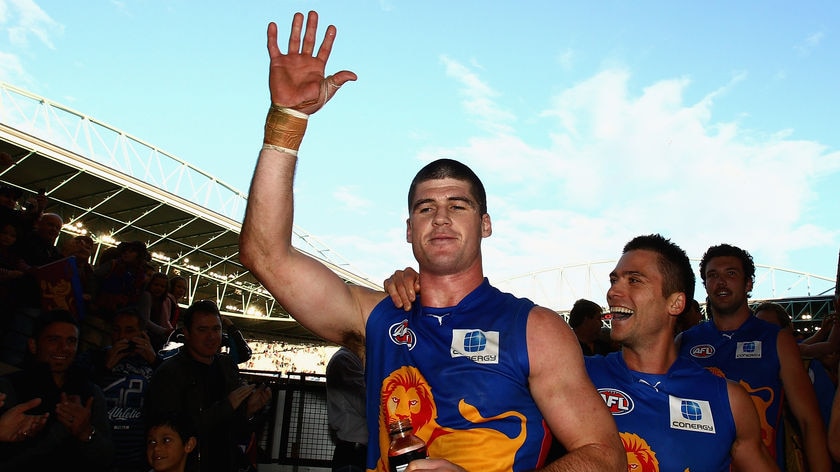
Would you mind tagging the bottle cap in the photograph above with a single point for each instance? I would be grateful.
(400, 425)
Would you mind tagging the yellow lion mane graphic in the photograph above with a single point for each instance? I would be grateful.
(639, 453)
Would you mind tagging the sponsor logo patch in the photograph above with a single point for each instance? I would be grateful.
(748, 350)
(479, 346)
(691, 415)
(400, 333)
(702, 351)
(617, 401)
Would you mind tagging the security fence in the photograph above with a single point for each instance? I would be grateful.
(296, 432)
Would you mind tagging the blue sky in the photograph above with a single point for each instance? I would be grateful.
(589, 122)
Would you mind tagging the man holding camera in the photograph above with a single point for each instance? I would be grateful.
(123, 371)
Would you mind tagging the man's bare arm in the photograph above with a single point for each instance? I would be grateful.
(572, 407)
(748, 452)
(803, 403)
(307, 289)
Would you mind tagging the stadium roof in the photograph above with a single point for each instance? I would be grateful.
(116, 188)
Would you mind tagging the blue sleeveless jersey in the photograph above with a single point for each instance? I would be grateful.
(678, 421)
(461, 375)
(747, 355)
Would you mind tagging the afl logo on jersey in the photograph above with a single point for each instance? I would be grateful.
(400, 333)
(618, 402)
(703, 351)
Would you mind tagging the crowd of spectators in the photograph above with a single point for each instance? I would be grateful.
(284, 358)
(82, 340)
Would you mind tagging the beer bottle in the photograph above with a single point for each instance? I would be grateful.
(405, 446)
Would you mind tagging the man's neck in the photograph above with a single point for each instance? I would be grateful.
(655, 357)
(442, 291)
(59, 378)
(731, 321)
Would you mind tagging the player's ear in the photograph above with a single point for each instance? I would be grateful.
(676, 303)
(486, 226)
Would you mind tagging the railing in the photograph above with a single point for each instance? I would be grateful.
(297, 433)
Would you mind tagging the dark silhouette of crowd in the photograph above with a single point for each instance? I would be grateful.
(82, 343)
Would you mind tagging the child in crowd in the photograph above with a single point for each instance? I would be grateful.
(170, 442)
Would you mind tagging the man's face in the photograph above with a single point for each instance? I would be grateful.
(56, 346)
(640, 310)
(204, 338)
(48, 228)
(125, 326)
(445, 228)
(726, 285)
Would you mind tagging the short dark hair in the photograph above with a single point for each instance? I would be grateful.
(53, 316)
(727, 250)
(583, 309)
(450, 169)
(133, 311)
(180, 422)
(137, 246)
(677, 275)
(200, 306)
(782, 315)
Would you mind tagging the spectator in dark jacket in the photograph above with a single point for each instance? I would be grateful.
(204, 383)
(77, 435)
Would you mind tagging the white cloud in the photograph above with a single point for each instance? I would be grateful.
(620, 165)
(23, 19)
(811, 42)
(478, 101)
(27, 19)
(11, 70)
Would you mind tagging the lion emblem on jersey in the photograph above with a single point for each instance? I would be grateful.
(406, 394)
(640, 457)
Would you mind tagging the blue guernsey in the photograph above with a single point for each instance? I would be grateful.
(461, 375)
(678, 421)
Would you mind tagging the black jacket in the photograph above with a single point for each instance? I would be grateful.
(181, 384)
(54, 448)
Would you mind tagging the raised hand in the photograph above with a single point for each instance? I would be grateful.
(297, 79)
